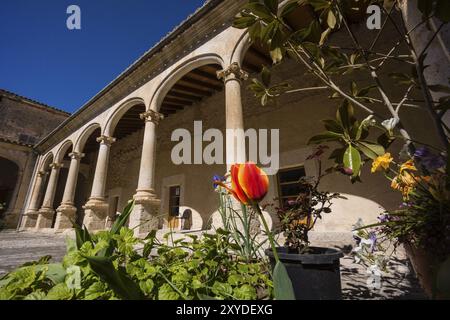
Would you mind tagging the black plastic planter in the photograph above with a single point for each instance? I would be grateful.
(315, 275)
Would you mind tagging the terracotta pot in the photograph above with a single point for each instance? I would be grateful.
(424, 265)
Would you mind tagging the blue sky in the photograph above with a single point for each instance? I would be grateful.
(41, 59)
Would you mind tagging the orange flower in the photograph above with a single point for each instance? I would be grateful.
(249, 184)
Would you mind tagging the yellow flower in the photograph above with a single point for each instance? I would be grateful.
(408, 166)
(405, 182)
(382, 162)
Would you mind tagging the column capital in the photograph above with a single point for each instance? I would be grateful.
(56, 165)
(152, 116)
(106, 140)
(233, 70)
(76, 155)
(42, 173)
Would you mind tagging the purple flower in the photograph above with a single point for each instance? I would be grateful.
(373, 238)
(383, 218)
(217, 179)
(429, 160)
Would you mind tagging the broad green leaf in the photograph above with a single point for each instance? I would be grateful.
(333, 126)
(331, 19)
(243, 22)
(345, 115)
(283, 289)
(352, 160)
(371, 150)
(245, 292)
(55, 272)
(123, 218)
(118, 280)
(59, 292)
(266, 76)
(272, 5)
(260, 10)
(325, 137)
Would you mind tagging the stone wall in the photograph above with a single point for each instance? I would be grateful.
(23, 123)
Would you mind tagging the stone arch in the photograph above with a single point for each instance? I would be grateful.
(84, 135)
(63, 150)
(117, 114)
(241, 47)
(10, 172)
(171, 79)
(46, 161)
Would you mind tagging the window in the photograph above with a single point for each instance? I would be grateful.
(289, 186)
(174, 200)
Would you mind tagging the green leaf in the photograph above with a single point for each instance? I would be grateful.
(95, 291)
(283, 289)
(167, 293)
(243, 22)
(55, 272)
(266, 76)
(222, 289)
(59, 292)
(345, 115)
(371, 150)
(325, 137)
(272, 5)
(245, 292)
(352, 160)
(260, 10)
(289, 8)
(118, 280)
(333, 126)
(331, 19)
(82, 235)
(123, 218)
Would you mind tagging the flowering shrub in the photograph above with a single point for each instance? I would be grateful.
(107, 266)
(298, 216)
(423, 219)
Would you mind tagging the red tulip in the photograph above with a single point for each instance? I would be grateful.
(249, 183)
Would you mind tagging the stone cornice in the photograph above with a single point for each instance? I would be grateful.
(207, 22)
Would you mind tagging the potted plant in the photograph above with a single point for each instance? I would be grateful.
(422, 222)
(314, 271)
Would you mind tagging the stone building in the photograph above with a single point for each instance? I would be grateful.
(23, 122)
(118, 146)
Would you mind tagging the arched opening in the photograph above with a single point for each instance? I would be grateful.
(124, 159)
(193, 96)
(9, 173)
(194, 86)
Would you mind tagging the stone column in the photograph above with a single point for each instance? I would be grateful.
(144, 217)
(96, 209)
(235, 139)
(31, 215)
(47, 211)
(66, 212)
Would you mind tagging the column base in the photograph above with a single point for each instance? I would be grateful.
(29, 219)
(144, 217)
(95, 212)
(45, 218)
(65, 217)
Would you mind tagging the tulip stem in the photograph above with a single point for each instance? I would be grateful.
(269, 233)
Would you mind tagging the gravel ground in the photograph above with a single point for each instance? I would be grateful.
(17, 248)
